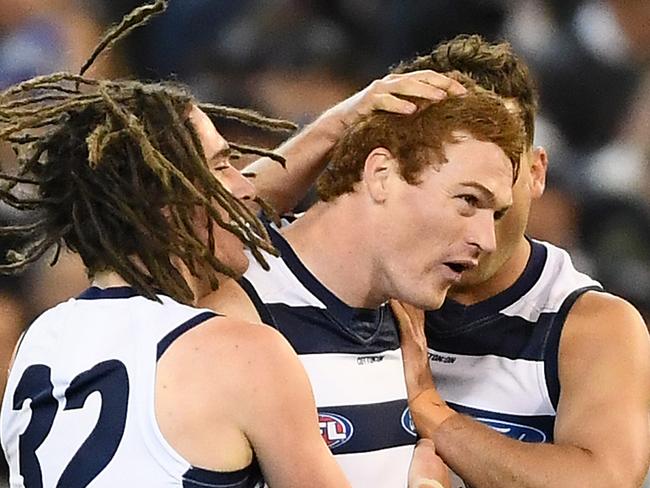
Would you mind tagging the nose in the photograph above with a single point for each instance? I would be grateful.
(237, 184)
(482, 231)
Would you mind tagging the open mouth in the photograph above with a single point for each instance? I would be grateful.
(460, 266)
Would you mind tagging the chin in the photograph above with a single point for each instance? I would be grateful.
(237, 262)
(240, 266)
(432, 301)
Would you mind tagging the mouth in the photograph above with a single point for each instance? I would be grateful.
(460, 266)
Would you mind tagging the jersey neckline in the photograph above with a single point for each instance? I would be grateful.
(97, 293)
(341, 311)
(457, 314)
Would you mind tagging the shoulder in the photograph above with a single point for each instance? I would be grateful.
(606, 324)
(230, 356)
(232, 338)
(560, 272)
(606, 311)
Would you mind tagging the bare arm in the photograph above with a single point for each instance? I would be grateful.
(306, 153)
(282, 422)
(227, 388)
(602, 430)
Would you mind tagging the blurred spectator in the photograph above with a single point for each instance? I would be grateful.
(618, 232)
(39, 37)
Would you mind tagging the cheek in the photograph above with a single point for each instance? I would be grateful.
(512, 226)
(448, 224)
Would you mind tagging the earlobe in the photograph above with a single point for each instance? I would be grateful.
(379, 165)
(538, 172)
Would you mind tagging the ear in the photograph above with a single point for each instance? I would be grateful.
(379, 166)
(538, 169)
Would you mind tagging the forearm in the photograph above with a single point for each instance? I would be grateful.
(305, 155)
(486, 459)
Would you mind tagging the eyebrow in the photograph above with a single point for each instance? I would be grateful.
(223, 153)
(487, 194)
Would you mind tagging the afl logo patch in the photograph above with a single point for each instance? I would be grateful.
(516, 431)
(407, 422)
(335, 429)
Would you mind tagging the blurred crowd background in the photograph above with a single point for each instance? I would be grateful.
(295, 58)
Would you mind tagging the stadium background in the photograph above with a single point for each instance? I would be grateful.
(295, 58)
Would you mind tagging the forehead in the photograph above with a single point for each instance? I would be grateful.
(211, 139)
(474, 162)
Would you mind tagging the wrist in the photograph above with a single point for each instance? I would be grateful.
(330, 124)
(429, 411)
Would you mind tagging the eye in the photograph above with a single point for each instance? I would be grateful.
(470, 199)
(499, 214)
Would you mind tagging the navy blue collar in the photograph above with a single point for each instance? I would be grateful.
(340, 311)
(96, 293)
(454, 315)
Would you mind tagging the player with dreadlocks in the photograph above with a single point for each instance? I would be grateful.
(129, 384)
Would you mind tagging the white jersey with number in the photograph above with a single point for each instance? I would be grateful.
(79, 405)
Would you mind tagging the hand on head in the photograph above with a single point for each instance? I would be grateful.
(392, 93)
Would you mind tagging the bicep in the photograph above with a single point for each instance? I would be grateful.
(604, 366)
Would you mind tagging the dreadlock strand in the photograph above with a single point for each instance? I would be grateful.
(24, 139)
(123, 265)
(32, 123)
(19, 179)
(260, 152)
(19, 203)
(68, 104)
(248, 117)
(96, 142)
(16, 260)
(23, 102)
(46, 82)
(9, 230)
(155, 160)
(268, 211)
(136, 18)
(190, 235)
(57, 254)
(28, 164)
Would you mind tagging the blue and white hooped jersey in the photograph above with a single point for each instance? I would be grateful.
(497, 360)
(354, 363)
(79, 405)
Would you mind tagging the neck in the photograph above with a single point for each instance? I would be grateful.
(108, 279)
(507, 274)
(331, 240)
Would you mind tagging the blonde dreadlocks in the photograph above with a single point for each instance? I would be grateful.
(114, 170)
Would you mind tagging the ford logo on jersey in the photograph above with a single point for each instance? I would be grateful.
(335, 429)
(516, 431)
(407, 422)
